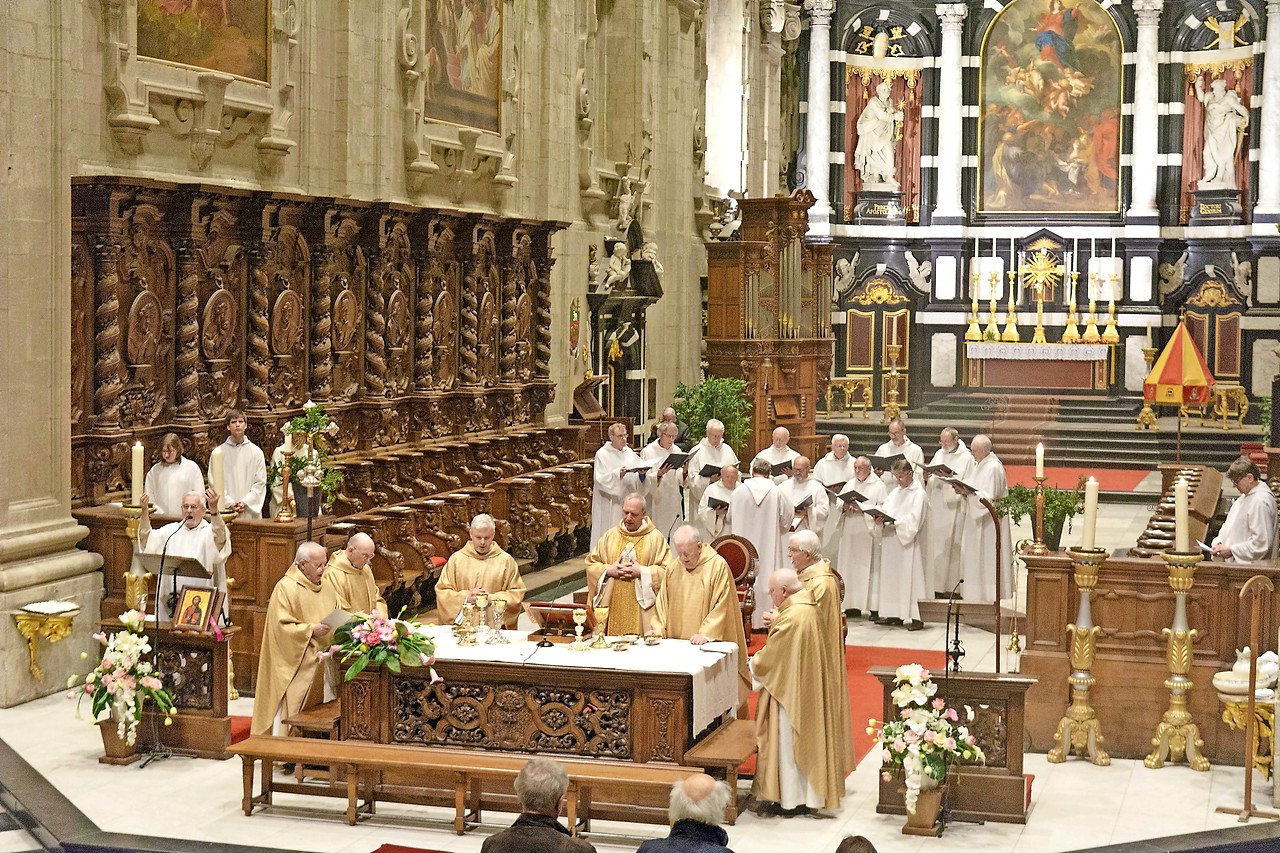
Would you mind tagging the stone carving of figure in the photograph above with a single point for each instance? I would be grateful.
(873, 156)
(619, 270)
(1172, 275)
(1243, 270)
(1225, 118)
(846, 270)
(919, 272)
(650, 254)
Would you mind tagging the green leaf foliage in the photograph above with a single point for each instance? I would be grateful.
(715, 397)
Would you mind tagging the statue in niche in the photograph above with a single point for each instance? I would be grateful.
(1225, 118)
(846, 271)
(874, 154)
(618, 273)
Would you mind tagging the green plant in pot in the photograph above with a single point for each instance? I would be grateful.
(715, 397)
(310, 432)
(1060, 506)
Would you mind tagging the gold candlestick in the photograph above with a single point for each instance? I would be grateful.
(1038, 337)
(974, 332)
(1091, 335)
(891, 407)
(286, 513)
(132, 512)
(1072, 334)
(1147, 417)
(1038, 548)
(1011, 319)
(1111, 335)
(1080, 731)
(992, 332)
(1177, 735)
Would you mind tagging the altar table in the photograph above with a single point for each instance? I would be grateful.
(995, 364)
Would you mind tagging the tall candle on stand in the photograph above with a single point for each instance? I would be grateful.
(135, 495)
(1039, 459)
(288, 443)
(1181, 517)
(216, 478)
(1148, 336)
(1090, 514)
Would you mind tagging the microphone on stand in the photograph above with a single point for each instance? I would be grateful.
(954, 649)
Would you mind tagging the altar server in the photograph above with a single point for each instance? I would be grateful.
(1249, 533)
(624, 569)
(903, 549)
(979, 548)
(713, 521)
(205, 540)
(858, 559)
(662, 485)
(614, 480)
(899, 445)
(351, 578)
(761, 513)
(777, 453)
(798, 714)
(948, 513)
(170, 479)
(711, 451)
(480, 567)
(293, 635)
(808, 497)
(245, 469)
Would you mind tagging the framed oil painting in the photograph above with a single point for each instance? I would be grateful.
(464, 62)
(1049, 127)
(230, 36)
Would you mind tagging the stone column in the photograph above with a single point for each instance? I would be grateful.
(1146, 95)
(1269, 132)
(950, 113)
(818, 126)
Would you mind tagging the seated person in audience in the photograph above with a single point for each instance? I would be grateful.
(669, 417)
(1249, 533)
(173, 477)
(540, 786)
(480, 567)
(624, 569)
(696, 812)
(351, 578)
(205, 540)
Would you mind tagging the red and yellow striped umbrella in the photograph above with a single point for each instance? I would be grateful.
(1180, 376)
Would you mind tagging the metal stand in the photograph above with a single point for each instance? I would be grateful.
(1079, 731)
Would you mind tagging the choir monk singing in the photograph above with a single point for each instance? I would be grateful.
(808, 497)
(980, 555)
(245, 469)
(899, 445)
(713, 508)
(712, 451)
(662, 485)
(173, 477)
(858, 559)
(624, 569)
(948, 515)
(1249, 533)
(799, 709)
(205, 540)
(614, 480)
(777, 453)
(293, 635)
(834, 469)
(480, 567)
(351, 578)
(760, 513)
(903, 549)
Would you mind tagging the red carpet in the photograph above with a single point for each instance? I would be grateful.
(400, 848)
(1109, 479)
(240, 728)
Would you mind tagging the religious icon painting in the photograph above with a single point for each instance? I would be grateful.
(197, 606)
(230, 36)
(575, 324)
(463, 65)
(1049, 128)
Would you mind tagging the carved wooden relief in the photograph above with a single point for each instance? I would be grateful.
(187, 674)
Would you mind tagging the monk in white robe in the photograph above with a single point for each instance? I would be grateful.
(858, 559)
(798, 716)
(760, 513)
(662, 485)
(698, 601)
(245, 469)
(903, 550)
(713, 521)
(172, 478)
(351, 580)
(614, 480)
(832, 470)
(293, 635)
(948, 513)
(711, 451)
(625, 568)
(480, 567)
(777, 453)
(979, 548)
(1249, 533)
(809, 499)
(899, 445)
(200, 537)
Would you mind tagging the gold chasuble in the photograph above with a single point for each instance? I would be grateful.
(630, 603)
(821, 584)
(796, 671)
(354, 589)
(287, 664)
(496, 572)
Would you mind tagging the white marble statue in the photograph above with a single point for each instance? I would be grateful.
(619, 270)
(1224, 119)
(873, 156)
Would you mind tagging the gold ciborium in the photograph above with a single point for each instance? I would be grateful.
(602, 619)
(465, 630)
(579, 619)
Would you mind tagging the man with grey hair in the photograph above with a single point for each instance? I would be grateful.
(833, 471)
(777, 453)
(540, 786)
(808, 496)
(713, 508)
(481, 567)
(899, 445)
(669, 416)
(198, 534)
(696, 812)
(947, 512)
(760, 513)
(615, 473)
(709, 458)
(663, 484)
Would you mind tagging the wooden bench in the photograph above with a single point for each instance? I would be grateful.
(324, 721)
(724, 750)
(360, 760)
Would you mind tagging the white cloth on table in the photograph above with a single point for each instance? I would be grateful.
(167, 485)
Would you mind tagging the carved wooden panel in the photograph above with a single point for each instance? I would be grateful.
(187, 674)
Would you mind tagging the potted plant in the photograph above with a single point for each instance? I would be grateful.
(311, 432)
(383, 641)
(922, 744)
(715, 397)
(1060, 506)
(120, 686)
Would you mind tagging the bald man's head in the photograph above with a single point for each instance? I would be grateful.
(700, 798)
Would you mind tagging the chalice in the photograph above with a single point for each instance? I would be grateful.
(498, 614)
(482, 621)
(602, 618)
(466, 631)
(579, 619)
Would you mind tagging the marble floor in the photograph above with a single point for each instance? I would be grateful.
(1074, 805)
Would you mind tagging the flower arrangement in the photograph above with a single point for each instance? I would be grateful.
(926, 738)
(124, 679)
(376, 639)
(311, 431)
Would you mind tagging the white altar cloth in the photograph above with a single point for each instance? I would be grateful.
(1037, 352)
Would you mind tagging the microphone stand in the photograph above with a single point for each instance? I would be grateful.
(159, 751)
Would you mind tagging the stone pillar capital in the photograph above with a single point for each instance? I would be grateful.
(952, 14)
(820, 12)
(1273, 9)
(1148, 12)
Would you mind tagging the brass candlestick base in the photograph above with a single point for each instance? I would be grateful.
(974, 332)
(1079, 730)
(132, 512)
(1111, 335)
(1177, 735)
(1038, 548)
(1091, 335)
(1147, 417)
(992, 332)
(1071, 335)
(1010, 334)
(51, 626)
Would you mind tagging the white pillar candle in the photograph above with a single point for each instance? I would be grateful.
(288, 442)
(216, 479)
(137, 475)
(1182, 519)
(1039, 459)
(1090, 513)
(1148, 336)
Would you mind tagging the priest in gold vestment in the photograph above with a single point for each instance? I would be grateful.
(293, 634)
(625, 568)
(351, 578)
(698, 601)
(798, 716)
(480, 567)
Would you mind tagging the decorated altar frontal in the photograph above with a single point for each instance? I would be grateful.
(1069, 366)
(641, 704)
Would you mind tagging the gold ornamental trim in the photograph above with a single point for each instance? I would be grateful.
(1192, 70)
(865, 73)
(1213, 294)
(879, 291)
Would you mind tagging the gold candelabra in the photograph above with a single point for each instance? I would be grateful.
(1079, 730)
(1147, 417)
(891, 407)
(1177, 735)
(287, 512)
(1038, 548)
(1011, 318)
(974, 332)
